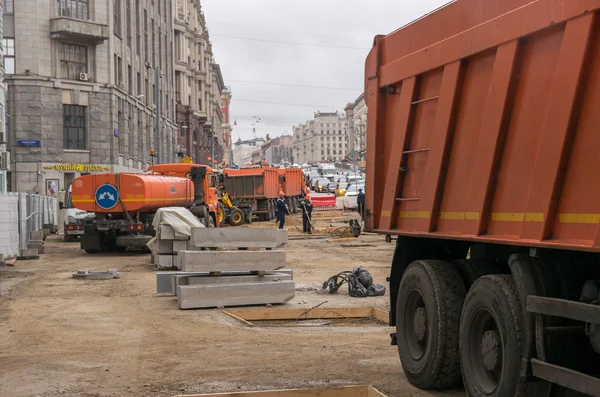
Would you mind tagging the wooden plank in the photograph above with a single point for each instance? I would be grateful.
(381, 315)
(342, 391)
(491, 140)
(563, 107)
(392, 183)
(511, 26)
(440, 140)
(248, 323)
(293, 314)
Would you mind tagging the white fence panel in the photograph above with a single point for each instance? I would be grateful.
(9, 224)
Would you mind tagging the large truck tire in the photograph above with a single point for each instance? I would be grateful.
(236, 218)
(428, 310)
(471, 270)
(491, 339)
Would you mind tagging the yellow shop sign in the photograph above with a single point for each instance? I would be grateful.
(76, 167)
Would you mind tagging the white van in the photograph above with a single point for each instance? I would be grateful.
(72, 218)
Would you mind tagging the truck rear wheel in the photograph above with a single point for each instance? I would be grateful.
(236, 218)
(491, 339)
(428, 312)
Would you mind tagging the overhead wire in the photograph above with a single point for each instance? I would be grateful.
(290, 42)
(288, 104)
(294, 85)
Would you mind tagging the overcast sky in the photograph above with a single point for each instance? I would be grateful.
(253, 42)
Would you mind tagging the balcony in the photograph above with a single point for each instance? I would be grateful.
(77, 30)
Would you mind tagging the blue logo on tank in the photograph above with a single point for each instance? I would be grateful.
(107, 196)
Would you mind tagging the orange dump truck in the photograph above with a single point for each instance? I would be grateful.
(483, 145)
(253, 190)
(124, 204)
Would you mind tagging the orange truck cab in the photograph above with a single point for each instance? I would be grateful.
(125, 204)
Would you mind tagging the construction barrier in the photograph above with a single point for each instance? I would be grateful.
(21, 214)
(323, 201)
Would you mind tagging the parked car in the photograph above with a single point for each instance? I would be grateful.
(340, 190)
(321, 185)
(352, 190)
(331, 187)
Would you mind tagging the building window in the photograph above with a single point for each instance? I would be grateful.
(153, 43)
(139, 84)
(73, 60)
(117, 17)
(77, 9)
(74, 127)
(146, 35)
(137, 28)
(128, 22)
(129, 80)
(9, 55)
(9, 7)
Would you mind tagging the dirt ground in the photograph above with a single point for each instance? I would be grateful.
(66, 337)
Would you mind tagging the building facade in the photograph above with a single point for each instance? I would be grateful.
(227, 127)
(323, 139)
(4, 154)
(198, 86)
(279, 150)
(356, 113)
(247, 152)
(90, 89)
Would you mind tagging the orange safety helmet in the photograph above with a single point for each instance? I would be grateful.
(281, 193)
(308, 197)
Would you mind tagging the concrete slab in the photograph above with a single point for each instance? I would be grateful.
(36, 244)
(167, 233)
(238, 238)
(179, 245)
(218, 261)
(244, 294)
(164, 279)
(37, 235)
(165, 247)
(29, 254)
(96, 274)
(163, 261)
(204, 280)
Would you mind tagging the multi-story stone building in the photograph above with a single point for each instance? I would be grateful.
(198, 86)
(279, 150)
(227, 128)
(87, 79)
(4, 154)
(322, 139)
(356, 113)
(247, 152)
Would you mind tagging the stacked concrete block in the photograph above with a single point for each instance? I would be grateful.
(233, 275)
(165, 279)
(235, 238)
(36, 241)
(235, 294)
(168, 245)
(218, 261)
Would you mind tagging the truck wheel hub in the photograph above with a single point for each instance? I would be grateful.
(490, 350)
(420, 324)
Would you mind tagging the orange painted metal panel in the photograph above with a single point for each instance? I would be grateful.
(137, 192)
(252, 183)
(476, 85)
(505, 151)
(294, 181)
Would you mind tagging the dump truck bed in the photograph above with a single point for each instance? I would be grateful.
(252, 183)
(483, 125)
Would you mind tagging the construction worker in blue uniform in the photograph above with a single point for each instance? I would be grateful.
(281, 209)
(307, 208)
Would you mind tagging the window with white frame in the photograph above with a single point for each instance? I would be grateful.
(9, 55)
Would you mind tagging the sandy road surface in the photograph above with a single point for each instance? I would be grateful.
(64, 337)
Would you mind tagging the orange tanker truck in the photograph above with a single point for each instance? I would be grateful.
(482, 166)
(125, 204)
